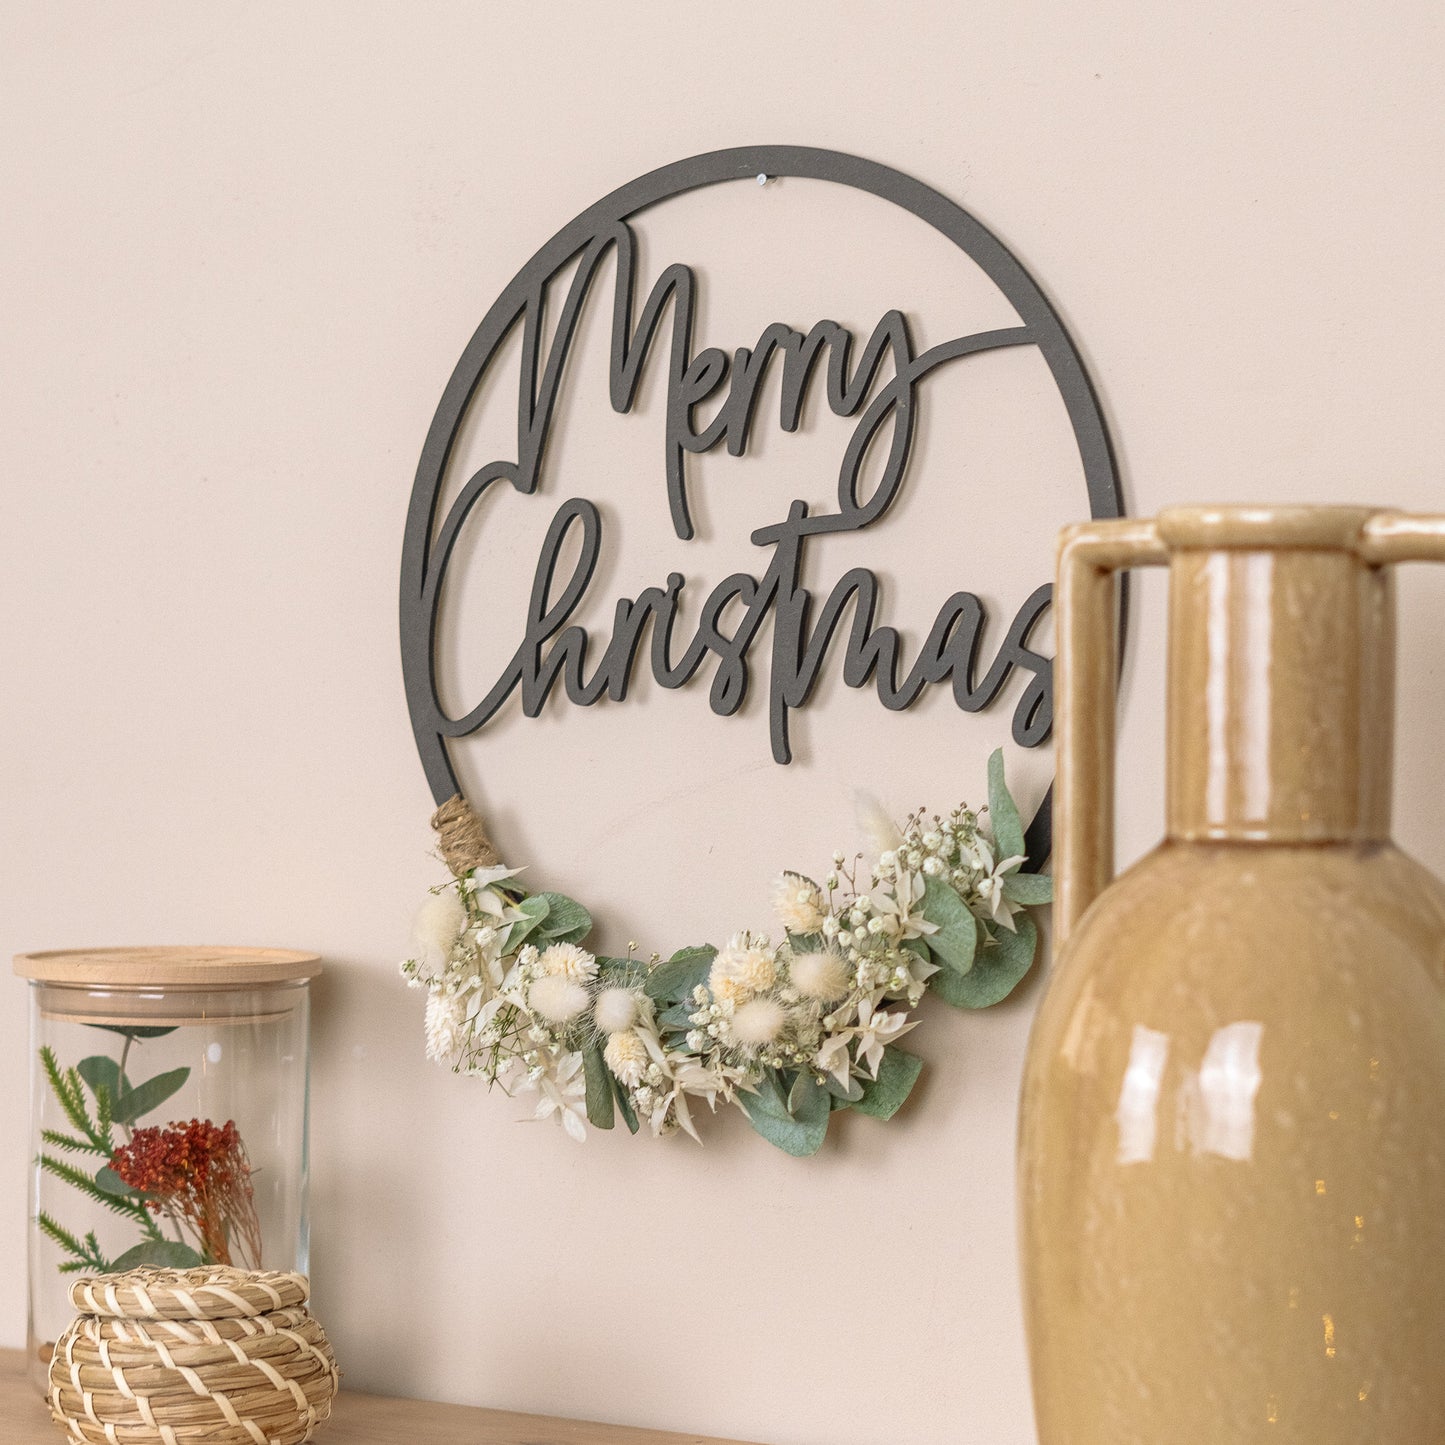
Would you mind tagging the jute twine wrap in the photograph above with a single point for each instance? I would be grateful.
(462, 837)
(213, 1356)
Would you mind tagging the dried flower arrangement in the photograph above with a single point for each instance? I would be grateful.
(194, 1177)
(790, 1033)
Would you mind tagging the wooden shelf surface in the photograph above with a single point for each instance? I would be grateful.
(365, 1420)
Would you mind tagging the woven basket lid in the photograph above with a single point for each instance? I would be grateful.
(182, 967)
(213, 1292)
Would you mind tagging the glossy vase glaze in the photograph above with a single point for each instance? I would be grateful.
(1232, 1153)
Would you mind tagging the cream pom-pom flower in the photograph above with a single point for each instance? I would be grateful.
(758, 1021)
(439, 923)
(615, 1010)
(569, 961)
(626, 1055)
(557, 998)
(798, 904)
(822, 977)
(745, 967)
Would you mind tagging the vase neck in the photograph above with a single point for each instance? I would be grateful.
(1281, 696)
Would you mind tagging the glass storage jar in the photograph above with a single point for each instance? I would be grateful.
(168, 1106)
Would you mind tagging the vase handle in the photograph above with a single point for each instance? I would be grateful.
(1403, 537)
(1087, 669)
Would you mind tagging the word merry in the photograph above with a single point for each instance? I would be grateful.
(693, 379)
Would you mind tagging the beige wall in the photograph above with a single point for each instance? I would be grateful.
(242, 247)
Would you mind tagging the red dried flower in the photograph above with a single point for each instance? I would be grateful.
(199, 1175)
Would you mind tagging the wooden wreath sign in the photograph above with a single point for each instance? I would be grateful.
(794, 1030)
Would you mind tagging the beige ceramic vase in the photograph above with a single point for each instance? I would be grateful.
(1232, 1157)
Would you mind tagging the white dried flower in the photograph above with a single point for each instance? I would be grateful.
(437, 926)
(445, 1020)
(560, 1082)
(759, 1021)
(626, 1055)
(746, 966)
(615, 1010)
(975, 853)
(569, 961)
(557, 998)
(878, 828)
(820, 976)
(798, 904)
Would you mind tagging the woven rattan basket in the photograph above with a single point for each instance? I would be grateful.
(211, 1356)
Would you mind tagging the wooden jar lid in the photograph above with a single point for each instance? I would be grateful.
(179, 967)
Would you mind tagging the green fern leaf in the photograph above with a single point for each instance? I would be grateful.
(103, 1111)
(62, 1236)
(96, 1257)
(71, 1144)
(79, 1179)
(72, 1104)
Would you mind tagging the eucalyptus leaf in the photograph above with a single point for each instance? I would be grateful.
(624, 972)
(799, 1134)
(1029, 888)
(844, 1094)
(956, 941)
(674, 981)
(109, 1182)
(694, 953)
(801, 1100)
(142, 1099)
(677, 1017)
(1008, 832)
(599, 1088)
(995, 973)
(567, 920)
(807, 942)
(624, 1104)
(897, 1074)
(534, 910)
(100, 1072)
(136, 1031)
(571, 935)
(161, 1253)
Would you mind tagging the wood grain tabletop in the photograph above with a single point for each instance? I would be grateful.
(365, 1420)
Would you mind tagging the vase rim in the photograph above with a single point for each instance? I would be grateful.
(1254, 525)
